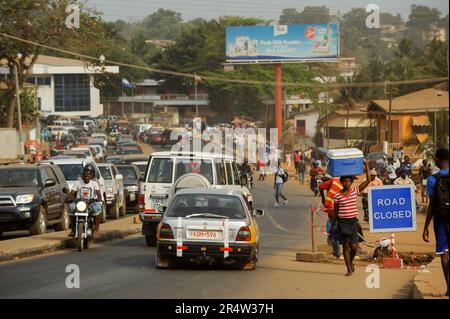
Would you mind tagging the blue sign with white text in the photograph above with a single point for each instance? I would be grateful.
(392, 208)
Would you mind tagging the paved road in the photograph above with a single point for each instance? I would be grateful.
(124, 269)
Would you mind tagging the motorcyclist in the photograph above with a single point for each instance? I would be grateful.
(85, 188)
(246, 170)
(315, 171)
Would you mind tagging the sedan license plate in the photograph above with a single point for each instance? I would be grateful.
(204, 234)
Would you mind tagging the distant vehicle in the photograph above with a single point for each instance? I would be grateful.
(114, 159)
(139, 127)
(33, 197)
(86, 125)
(101, 136)
(55, 130)
(141, 162)
(115, 193)
(128, 151)
(100, 153)
(87, 151)
(195, 219)
(131, 183)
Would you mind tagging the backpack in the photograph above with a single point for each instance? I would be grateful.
(284, 176)
(441, 195)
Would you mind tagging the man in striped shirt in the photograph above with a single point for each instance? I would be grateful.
(346, 217)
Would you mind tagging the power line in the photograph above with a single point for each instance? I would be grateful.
(228, 80)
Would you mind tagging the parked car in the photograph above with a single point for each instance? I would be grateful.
(32, 197)
(72, 169)
(212, 225)
(131, 181)
(115, 192)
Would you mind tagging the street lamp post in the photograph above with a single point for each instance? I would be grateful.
(19, 112)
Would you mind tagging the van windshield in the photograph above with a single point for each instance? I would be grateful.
(185, 166)
(160, 171)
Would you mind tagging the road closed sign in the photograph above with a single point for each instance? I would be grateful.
(392, 208)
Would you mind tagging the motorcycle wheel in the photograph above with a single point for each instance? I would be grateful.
(80, 239)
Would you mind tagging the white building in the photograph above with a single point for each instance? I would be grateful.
(65, 86)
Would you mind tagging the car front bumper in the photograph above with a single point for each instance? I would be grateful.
(18, 217)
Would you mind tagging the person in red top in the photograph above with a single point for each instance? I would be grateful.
(346, 217)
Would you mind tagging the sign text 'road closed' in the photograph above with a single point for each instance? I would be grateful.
(392, 208)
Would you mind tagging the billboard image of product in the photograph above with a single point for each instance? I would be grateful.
(272, 43)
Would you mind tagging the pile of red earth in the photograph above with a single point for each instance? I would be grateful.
(410, 259)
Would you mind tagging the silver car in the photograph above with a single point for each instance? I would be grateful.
(203, 225)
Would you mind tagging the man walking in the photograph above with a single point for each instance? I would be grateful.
(438, 209)
(301, 171)
(280, 177)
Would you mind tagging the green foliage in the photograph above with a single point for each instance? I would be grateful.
(309, 15)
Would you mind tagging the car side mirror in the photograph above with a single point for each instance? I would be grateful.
(119, 177)
(161, 209)
(258, 212)
(50, 183)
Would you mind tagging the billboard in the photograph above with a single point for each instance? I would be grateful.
(282, 43)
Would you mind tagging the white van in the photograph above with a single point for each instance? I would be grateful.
(163, 171)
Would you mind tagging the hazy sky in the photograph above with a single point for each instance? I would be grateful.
(134, 10)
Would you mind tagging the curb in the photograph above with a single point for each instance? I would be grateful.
(423, 288)
(67, 243)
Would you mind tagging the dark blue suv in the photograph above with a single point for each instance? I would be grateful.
(32, 197)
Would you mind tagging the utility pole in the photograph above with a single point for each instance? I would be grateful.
(19, 113)
(389, 116)
(195, 92)
(327, 131)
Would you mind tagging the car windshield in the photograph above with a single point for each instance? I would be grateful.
(185, 166)
(17, 177)
(105, 172)
(128, 172)
(201, 205)
(160, 171)
(71, 171)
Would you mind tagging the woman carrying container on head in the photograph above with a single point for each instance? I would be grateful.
(346, 217)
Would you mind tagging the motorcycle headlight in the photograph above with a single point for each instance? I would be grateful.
(81, 206)
(24, 199)
(132, 188)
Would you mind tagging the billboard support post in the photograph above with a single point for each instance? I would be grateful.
(278, 100)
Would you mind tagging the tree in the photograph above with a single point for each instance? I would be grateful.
(41, 21)
(309, 15)
(423, 18)
(201, 48)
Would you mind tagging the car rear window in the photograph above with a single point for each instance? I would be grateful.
(224, 205)
(71, 171)
(185, 166)
(105, 172)
(160, 171)
(17, 177)
(128, 172)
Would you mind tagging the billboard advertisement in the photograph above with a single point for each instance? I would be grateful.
(282, 43)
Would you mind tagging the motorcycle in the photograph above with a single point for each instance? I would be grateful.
(315, 182)
(247, 180)
(84, 223)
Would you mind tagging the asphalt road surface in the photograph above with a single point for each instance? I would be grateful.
(125, 269)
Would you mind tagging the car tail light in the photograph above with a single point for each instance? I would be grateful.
(141, 201)
(244, 234)
(165, 232)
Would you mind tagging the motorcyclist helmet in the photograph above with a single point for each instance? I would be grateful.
(89, 170)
